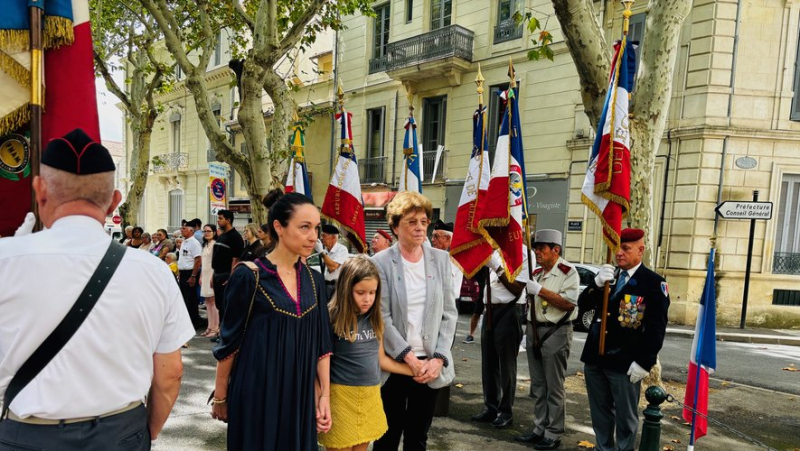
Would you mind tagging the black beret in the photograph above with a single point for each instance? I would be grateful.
(630, 235)
(330, 229)
(77, 153)
(441, 225)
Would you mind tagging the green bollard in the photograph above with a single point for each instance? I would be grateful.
(651, 429)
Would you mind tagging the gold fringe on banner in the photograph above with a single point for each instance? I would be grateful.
(16, 119)
(15, 70)
(58, 31)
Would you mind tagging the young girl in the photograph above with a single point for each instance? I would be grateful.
(358, 359)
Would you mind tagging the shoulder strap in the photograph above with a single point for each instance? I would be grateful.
(68, 326)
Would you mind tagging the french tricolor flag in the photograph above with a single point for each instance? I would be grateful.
(343, 202)
(703, 359)
(70, 98)
(607, 186)
(411, 177)
(469, 248)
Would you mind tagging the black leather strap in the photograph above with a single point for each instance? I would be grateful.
(68, 326)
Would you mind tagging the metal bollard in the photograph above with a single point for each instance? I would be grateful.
(651, 429)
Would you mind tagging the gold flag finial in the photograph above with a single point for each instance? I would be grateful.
(410, 97)
(340, 94)
(511, 74)
(626, 15)
(295, 117)
(479, 81)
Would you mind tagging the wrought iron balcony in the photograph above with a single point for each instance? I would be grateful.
(428, 161)
(786, 263)
(372, 170)
(170, 162)
(507, 30)
(453, 41)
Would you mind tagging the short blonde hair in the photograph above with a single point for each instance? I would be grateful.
(404, 203)
(252, 228)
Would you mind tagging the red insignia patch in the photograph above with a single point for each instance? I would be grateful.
(537, 271)
(564, 268)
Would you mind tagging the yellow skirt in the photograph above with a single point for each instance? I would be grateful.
(357, 414)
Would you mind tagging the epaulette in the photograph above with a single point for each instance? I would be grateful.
(538, 271)
(564, 268)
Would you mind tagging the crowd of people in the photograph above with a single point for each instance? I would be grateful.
(347, 353)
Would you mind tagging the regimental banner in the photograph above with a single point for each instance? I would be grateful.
(218, 175)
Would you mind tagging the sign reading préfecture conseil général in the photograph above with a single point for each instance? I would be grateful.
(734, 209)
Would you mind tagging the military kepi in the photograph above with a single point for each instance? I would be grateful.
(77, 153)
(630, 235)
(548, 236)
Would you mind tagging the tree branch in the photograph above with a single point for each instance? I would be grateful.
(297, 30)
(590, 53)
(111, 83)
(237, 6)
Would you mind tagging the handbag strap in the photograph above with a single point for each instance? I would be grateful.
(57, 339)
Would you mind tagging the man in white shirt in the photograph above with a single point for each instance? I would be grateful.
(332, 254)
(441, 238)
(89, 396)
(501, 333)
(554, 295)
(189, 262)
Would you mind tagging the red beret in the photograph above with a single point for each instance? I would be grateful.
(629, 235)
(384, 234)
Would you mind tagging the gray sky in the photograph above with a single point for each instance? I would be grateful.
(111, 120)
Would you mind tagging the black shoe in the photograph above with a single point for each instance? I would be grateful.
(469, 339)
(502, 421)
(530, 437)
(486, 416)
(547, 443)
(214, 339)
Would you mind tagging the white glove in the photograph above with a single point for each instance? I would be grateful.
(637, 373)
(318, 247)
(495, 263)
(27, 225)
(606, 274)
(534, 288)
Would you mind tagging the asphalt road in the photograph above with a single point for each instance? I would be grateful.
(751, 394)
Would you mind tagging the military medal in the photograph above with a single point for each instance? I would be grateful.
(631, 309)
(544, 307)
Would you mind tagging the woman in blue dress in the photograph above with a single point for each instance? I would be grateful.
(276, 395)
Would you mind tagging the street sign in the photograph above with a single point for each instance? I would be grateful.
(734, 209)
(117, 219)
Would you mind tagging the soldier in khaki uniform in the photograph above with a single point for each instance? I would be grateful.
(553, 295)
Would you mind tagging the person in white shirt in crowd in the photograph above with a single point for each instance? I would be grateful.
(332, 254)
(189, 263)
(90, 394)
(441, 238)
(501, 333)
(554, 296)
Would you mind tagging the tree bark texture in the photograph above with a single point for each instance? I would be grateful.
(650, 104)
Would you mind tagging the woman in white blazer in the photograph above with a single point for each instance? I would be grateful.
(419, 311)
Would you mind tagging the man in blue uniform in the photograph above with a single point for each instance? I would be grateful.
(635, 328)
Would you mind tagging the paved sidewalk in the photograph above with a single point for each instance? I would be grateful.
(746, 335)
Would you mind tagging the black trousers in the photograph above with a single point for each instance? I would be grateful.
(127, 431)
(409, 411)
(499, 350)
(219, 292)
(190, 297)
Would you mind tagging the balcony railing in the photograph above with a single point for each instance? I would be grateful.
(786, 263)
(507, 30)
(170, 162)
(446, 42)
(372, 170)
(428, 161)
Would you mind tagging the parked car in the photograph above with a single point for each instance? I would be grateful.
(586, 273)
(468, 296)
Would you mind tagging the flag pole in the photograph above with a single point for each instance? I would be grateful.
(37, 97)
(479, 80)
(626, 16)
(525, 223)
(699, 354)
(409, 151)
